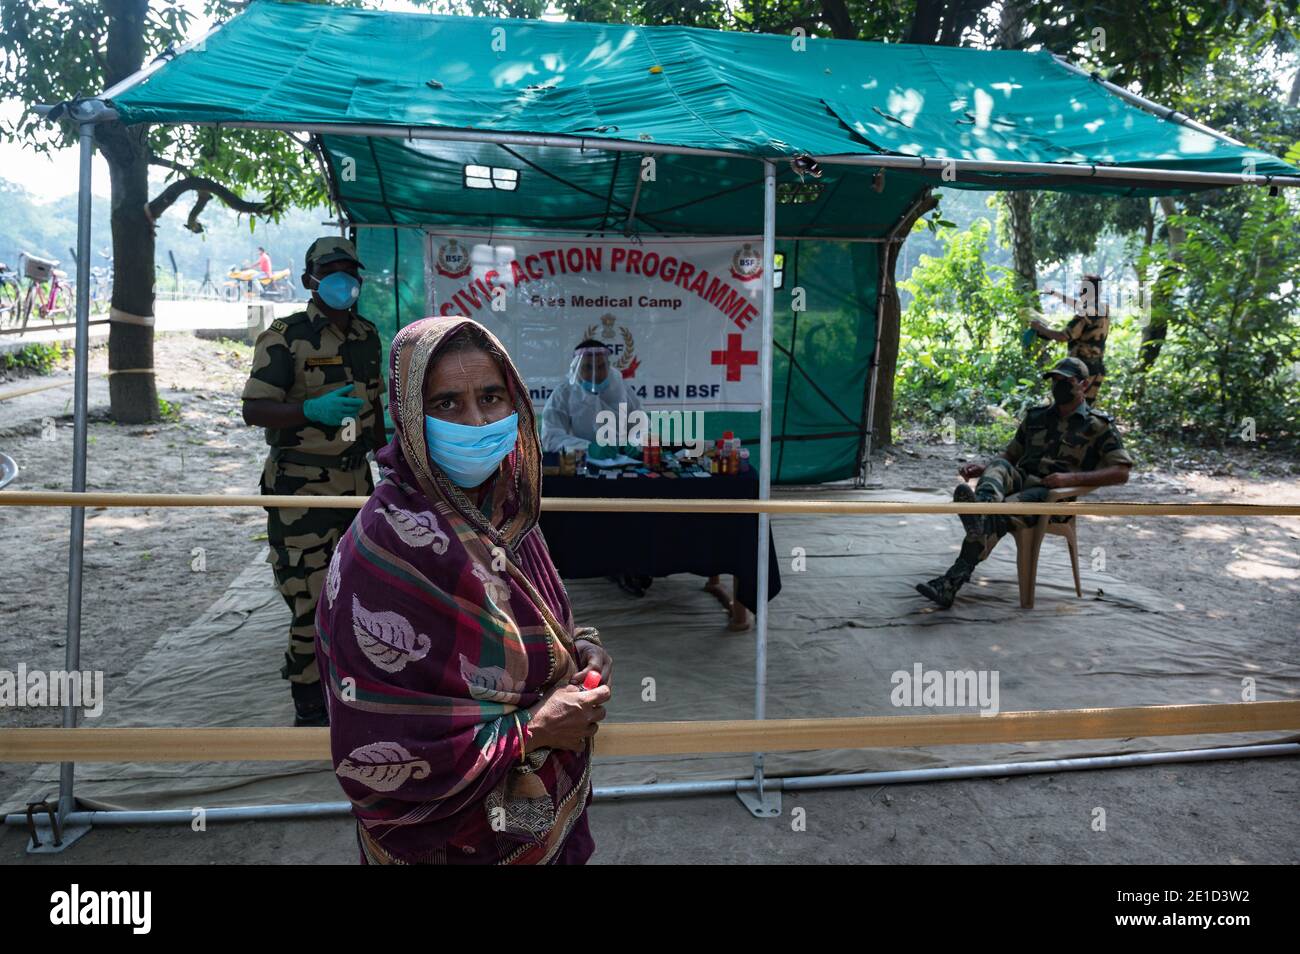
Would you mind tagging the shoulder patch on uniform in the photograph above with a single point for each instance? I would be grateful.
(279, 325)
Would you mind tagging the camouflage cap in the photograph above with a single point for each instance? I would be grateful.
(331, 248)
(1069, 368)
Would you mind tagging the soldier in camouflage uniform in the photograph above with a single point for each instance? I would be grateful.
(1086, 332)
(315, 386)
(1062, 444)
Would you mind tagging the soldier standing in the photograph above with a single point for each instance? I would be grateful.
(315, 386)
(1062, 444)
(1086, 332)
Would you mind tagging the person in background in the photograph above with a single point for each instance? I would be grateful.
(591, 386)
(569, 420)
(1085, 333)
(1062, 444)
(315, 386)
(263, 262)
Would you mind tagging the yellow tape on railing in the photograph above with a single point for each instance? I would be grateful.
(680, 738)
(37, 498)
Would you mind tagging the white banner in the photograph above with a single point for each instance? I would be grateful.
(681, 316)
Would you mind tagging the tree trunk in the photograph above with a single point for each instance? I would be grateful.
(1139, 267)
(1011, 28)
(1021, 219)
(133, 393)
(1157, 326)
(890, 324)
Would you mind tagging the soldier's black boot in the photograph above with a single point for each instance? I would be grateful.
(309, 704)
(943, 589)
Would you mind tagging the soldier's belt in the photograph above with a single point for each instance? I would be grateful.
(349, 461)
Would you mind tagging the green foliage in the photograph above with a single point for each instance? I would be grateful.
(168, 411)
(1067, 224)
(1157, 44)
(960, 352)
(1231, 359)
(1234, 339)
(38, 357)
(57, 51)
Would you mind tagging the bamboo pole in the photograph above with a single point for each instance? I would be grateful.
(679, 738)
(41, 498)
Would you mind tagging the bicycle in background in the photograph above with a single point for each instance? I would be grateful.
(101, 283)
(43, 289)
(11, 293)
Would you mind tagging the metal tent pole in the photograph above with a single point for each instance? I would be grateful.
(1084, 170)
(764, 802)
(76, 534)
(1164, 112)
(611, 793)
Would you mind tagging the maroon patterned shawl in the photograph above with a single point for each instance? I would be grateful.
(437, 629)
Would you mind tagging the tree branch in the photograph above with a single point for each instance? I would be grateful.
(207, 188)
(169, 164)
(837, 15)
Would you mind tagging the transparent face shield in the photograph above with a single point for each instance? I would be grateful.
(590, 370)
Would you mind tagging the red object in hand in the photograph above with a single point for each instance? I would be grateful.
(592, 680)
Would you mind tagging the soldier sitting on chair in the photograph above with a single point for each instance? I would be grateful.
(1062, 444)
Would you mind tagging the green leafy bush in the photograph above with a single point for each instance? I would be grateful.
(40, 358)
(960, 352)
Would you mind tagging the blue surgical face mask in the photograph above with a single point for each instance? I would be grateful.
(470, 455)
(339, 290)
(595, 387)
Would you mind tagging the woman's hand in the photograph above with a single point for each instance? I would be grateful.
(592, 658)
(567, 718)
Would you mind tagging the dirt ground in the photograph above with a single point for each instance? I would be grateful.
(141, 579)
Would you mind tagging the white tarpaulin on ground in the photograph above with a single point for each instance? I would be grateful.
(680, 315)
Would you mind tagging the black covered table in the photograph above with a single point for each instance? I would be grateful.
(658, 544)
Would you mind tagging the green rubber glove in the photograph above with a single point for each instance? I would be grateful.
(600, 451)
(333, 407)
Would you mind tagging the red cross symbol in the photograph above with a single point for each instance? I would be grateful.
(734, 357)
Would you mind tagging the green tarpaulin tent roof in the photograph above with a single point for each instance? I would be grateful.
(337, 69)
(385, 94)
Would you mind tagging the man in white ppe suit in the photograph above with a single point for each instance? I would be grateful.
(570, 418)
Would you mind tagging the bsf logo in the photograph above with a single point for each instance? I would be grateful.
(627, 362)
(453, 260)
(746, 264)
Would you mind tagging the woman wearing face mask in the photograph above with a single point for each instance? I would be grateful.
(593, 384)
(445, 639)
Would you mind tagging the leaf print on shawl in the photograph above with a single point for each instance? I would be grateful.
(388, 639)
(416, 529)
(490, 683)
(382, 766)
(495, 587)
(332, 579)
